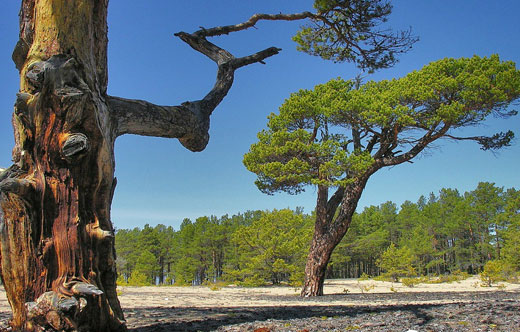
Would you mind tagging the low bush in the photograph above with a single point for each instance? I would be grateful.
(363, 277)
(253, 281)
(455, 276)
(411, 282)
(138, 279)
(496, 271)
(215, 286)
(121, 281)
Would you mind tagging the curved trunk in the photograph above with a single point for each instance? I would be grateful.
(329, 229)
(316, 266)
(57, 248)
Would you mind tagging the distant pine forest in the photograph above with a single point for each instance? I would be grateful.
(443, 233)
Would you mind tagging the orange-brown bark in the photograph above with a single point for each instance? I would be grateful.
(56, 243)
(58, 261)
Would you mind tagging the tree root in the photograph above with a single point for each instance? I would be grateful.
(57, 312)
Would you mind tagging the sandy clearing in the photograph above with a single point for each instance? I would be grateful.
(232, 296)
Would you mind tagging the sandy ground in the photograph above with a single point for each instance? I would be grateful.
(202, 296)
(202, 309)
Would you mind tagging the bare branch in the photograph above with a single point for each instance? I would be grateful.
(257, 57)
(473, 138)
(190, 121)
(200, 44)
(140, 117)
(224, 30)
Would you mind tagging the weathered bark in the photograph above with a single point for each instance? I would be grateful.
(56, 236)
(316, 266)
(330, 227)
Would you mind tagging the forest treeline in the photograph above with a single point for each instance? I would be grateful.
(443, 233)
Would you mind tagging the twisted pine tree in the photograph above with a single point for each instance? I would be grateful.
(336, 136)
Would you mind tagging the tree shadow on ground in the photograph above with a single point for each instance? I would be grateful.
(160, 319)
(210, 319)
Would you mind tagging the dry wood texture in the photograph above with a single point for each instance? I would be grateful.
(57, 243)
(56, 236)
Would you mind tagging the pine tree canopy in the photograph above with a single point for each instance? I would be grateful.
(342, 130)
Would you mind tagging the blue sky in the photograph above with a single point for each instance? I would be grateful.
(161, 182)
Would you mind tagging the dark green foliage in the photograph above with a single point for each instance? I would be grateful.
(145, 269)
(351, 30)
(146, 250)
(196, 253)
(339, 133)
(510, 219)
(496, 141)
(369, 236)
(444, 233)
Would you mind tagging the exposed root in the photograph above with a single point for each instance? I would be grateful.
(57, 312)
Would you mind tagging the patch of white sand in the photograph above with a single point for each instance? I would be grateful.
(233, 296)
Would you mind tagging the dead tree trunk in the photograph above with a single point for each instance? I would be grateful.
(57, 239)
(56, 235)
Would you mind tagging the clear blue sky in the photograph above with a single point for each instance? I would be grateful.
(161, 182)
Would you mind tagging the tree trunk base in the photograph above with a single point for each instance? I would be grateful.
(312, 287)
(78, 311)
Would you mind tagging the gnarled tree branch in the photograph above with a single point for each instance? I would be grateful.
(224, 30)
(188, 122)
(140, 117)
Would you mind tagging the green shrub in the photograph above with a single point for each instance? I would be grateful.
(498, 270)
(383, 277)
(121, 280)
(411, 282)
(181, 282)
(253, 281)
(509, 273)
(455, 276)
(296, 278)
(138, 278)
(460, 275)
(492, 273)
(215, 286)
(365, 288)
(364, 277)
